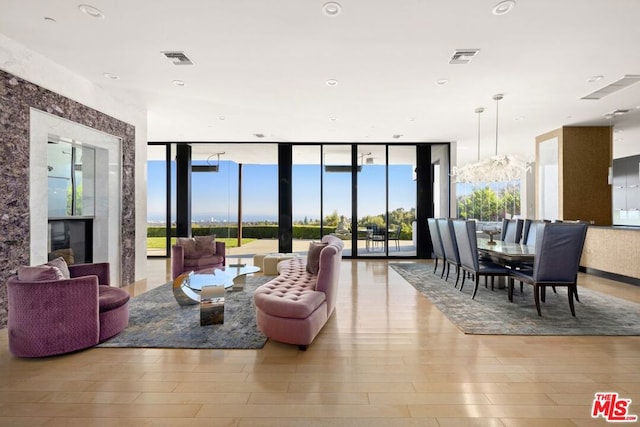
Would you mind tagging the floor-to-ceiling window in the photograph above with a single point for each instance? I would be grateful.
(402, 200)
(366, 194)
(232, 192)
(306, 177)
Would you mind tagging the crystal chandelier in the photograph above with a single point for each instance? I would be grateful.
(497, 168)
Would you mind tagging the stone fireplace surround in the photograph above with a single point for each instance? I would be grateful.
(17, 98)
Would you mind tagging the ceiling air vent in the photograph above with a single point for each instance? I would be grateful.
(463, 56)
(178, 58)
(624, 82)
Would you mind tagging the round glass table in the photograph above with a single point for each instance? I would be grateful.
(187, 287)
(207, 288)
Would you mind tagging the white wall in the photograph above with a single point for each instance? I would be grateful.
(29, 65)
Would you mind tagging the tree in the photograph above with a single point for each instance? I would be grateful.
(332, 219)
(484, 204)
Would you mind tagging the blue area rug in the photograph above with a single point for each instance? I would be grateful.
(157, 321)
(491, 313)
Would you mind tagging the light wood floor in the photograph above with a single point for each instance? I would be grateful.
(387, 357)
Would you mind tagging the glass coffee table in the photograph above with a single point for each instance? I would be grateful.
(207, 288)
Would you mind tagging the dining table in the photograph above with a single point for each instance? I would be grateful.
(505, 253)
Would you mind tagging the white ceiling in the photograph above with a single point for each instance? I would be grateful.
(261, 66)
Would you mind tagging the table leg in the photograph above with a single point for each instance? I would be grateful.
(212, 305)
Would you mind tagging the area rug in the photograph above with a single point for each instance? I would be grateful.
(491, 313)
(157, 321)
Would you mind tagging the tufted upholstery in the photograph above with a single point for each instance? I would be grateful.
(293, 307)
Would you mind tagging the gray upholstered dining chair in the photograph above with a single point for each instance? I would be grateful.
(511, 230)
(436, 243)
(470, 261)
(450, 246)
(558, 251)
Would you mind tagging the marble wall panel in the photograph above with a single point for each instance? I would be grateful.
(17, 96)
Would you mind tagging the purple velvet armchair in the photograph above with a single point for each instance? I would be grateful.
(196, 254)
(50, 315)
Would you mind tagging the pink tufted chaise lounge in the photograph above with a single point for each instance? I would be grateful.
(293, 307)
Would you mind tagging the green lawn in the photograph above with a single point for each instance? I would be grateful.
(159, 242)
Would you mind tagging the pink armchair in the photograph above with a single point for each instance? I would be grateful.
(49, 315)
(196, 254)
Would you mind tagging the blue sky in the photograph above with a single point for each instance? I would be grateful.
(215, 195)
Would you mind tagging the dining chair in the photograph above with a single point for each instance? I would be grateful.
(558, 251)
(465, 232)
(530, 231)
(511, 230)
(436, 244)
(450, 246)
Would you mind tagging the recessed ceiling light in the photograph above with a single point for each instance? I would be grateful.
(519, 118)
(331, 9)
(595, 79)
(50, 19)
(442, 81)
(179, 83)
(91, 11)
(333, 119)
(412, 119)
(332, 82)
(221, 117)
(111, 76)
(503, 7)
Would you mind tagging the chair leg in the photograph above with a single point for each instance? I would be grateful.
(435, 268)
(544, 293)
(521, 287)
(575, 293)
(447, 276)
(493, 281)
(457, 276)
(536, 295)
(475, 287)
(464, 276)
(511, 289)
(571, 293)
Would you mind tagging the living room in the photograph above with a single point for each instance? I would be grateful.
(388, 355)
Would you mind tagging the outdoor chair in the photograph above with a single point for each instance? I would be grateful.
(465, 232)
(558, 251)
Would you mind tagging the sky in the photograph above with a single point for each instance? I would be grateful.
(215, 195)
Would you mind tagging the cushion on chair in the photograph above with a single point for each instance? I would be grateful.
(61, 265)
(39, 273)
(188, 245)
(198, 246)
(110, 298)
(202, 262)
(313, 256)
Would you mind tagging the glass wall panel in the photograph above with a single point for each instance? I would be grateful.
(306, 197)
(260, 204)
(336, 187)
(156, 200)
(214, 196)
(372, 200)
(402, 201)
